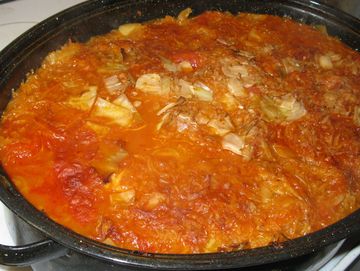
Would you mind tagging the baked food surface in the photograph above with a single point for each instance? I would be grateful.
(188, 135)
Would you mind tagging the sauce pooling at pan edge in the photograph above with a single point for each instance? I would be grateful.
(214, 133)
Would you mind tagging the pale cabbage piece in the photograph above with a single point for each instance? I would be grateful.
(271, 187)
(234, 143)
(184, 15)
(282, 109)
(325, 62)
(166, 85)
(221, 127)
(108, 159)
(233, 70)
(202, 92)
(100, 130)
(149, 83)
(125, 198)
(212, 244)
(229, 101)
(113, 85)
(155, 200)
(113, 65)
(62, 55)
(290, 65)
(115, 179)
(291, 109)
(120, 194)
(122, 100)
(169, 65)
(114, 113)
(185, 66)
(86, 101)
(199, 90)
(184, 122)
(270, 109)
(137, 103)
(185, 89)
(152, 83)
(236, 88)
(127, 29)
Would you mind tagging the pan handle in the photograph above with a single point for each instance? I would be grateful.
(26, 255)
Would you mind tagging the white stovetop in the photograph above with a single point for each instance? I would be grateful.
(18, 16)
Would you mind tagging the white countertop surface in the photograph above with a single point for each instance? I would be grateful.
(18, 16)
